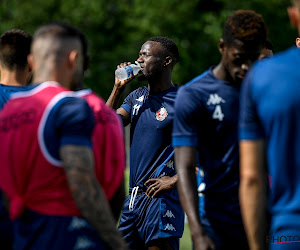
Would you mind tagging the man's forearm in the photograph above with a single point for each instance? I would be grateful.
(253, 208)
(114, 97)
(88, 195)
(187, 187)
(253, 192)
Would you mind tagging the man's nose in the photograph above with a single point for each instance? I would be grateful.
(245, 66)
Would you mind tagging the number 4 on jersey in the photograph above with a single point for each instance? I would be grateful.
(218, 114)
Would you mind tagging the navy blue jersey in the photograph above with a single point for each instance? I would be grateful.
(150, 134)
(270, 110)
(206, 117)
(6, 91)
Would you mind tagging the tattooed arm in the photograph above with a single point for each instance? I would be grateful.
(88, 196)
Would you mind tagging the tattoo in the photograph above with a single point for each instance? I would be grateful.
(88, 195)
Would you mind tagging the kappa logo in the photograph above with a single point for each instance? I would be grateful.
(83, 243)
(140, 99)
(77, 223)
(169, 214)
(215, 99)
(170, 227)
(161, 114)
(170, 164)
(163, 174)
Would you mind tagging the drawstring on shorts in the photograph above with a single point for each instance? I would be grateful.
(132, 197)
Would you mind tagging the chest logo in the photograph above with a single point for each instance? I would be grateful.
(140, 99)
(215, 99)
(161, 114)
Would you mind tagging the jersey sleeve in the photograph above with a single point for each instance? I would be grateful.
(75, 122)
(185, 119)
(128, 102)
(249, 124)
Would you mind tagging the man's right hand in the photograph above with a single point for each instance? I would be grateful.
(203, 242)
(122, 84)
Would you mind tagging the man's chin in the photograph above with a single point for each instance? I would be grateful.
(239, 80)
(141, 77)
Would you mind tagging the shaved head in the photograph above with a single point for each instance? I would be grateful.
(51, 47)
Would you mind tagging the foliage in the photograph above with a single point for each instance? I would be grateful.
(117, 29)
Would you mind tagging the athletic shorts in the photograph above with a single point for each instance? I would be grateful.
(35, 231)
(150, 219)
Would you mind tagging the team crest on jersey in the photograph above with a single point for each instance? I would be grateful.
(161, 114)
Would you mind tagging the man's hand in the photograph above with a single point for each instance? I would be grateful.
(203, 242)
(159, 185)
(115, 95)
(122, 84)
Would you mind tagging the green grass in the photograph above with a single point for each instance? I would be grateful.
(185, 241)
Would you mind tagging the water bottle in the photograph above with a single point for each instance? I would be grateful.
(128, 71)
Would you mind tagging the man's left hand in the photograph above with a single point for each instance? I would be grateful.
(159, 185)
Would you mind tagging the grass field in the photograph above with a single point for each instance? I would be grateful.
(185, 241)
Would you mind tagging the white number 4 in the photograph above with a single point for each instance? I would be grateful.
(218, 114)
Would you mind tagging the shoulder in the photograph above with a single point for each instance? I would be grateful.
(139, 91)
(280, 62)
(195, 85)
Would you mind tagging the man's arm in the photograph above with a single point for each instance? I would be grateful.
(253, 191)
(88, 196)
(115, 95)
(185, 158)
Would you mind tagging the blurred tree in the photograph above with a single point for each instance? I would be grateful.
(117, 29)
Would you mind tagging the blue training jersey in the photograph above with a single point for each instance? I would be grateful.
(270, 110)
(150, 133)
(206, 117)
(6, 91)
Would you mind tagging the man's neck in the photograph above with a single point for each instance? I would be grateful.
(220, 72)
(13, 78)
(160, 85)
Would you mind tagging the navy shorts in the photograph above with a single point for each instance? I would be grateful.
(36, 231)
(152, 219)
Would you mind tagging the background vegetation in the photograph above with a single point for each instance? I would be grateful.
(116, 29)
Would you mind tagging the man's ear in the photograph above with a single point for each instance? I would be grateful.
(30, 62)
(72, 59)
(294, 15)
(298, 42)
(221, 46)
(168, 61)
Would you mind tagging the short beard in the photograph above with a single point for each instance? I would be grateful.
(150, 76)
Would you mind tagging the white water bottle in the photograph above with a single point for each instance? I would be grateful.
(128, 71)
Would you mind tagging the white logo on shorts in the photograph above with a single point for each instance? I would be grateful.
(77, 223)
(161, 175)
(169, 214)
(170, 164)
(170, 227)
(83, 243)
